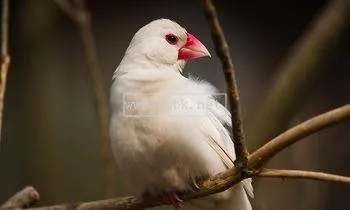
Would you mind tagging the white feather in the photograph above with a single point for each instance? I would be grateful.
(167, 148)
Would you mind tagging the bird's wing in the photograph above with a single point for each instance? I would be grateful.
(212, 123)
(221, 142)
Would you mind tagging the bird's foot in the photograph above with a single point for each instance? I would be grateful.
(173, 199)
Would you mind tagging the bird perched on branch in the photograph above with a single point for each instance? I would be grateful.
(168, 132)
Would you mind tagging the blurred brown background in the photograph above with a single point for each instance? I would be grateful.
(50, 135)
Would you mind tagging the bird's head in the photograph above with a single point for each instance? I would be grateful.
(165, 43)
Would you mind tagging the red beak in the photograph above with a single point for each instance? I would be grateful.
(192, 49)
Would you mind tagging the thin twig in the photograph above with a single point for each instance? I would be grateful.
(298, 71)
(302, 130)
(78, 12)
(24, 198)
(298, 174)
(223, 52)
(4, 26)
(229, 178)
(5, 57)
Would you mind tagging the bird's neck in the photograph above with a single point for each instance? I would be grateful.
(133, 61)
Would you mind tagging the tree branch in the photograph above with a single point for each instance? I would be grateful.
(78, 12)
(5, 57)
(216, 184)
(122, 203)
(297, 72)
(302, 130)
(4, 26)
(24, 198)
(223, 52)
(298, 174)
(229, 178)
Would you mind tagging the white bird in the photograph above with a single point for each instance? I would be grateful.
(160, 147)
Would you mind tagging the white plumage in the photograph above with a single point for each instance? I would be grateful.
(159, 148)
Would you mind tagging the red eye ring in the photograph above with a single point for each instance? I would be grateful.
(171, 39)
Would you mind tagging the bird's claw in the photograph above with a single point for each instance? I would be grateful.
(173, 199)
(195, 185)
(196, 182)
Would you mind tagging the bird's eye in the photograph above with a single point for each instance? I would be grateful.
(171, 39)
